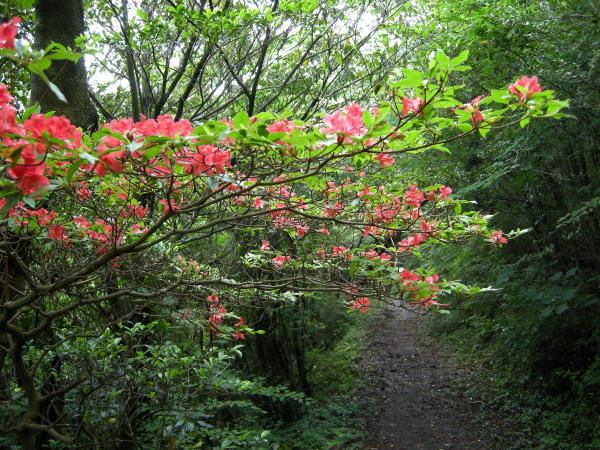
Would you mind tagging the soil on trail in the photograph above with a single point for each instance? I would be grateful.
(412, 401)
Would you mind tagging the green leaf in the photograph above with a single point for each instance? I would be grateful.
(367, 119)
(571, 272)
(63, 54)
(462, 57)
(458, 209)
(89, 158)
(134, 146)
(498, 97)
(29, 111)
(44, 189)
(547, 311)
(241, 120)
(73, 168)
(441, 58)
(353, 268)
(213, 183)
(263, 116)
(262, 131)
(151, 152)
(54, 88)
(11, 201)
(156, 139)
(414, 75)
(465, 127)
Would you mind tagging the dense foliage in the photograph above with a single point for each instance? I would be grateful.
(540, 330)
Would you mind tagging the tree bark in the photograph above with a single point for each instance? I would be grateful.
(61, 21)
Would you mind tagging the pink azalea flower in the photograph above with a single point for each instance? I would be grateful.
(166, 207)
(384, 159)
(497, 238)
(301, 231)
(282, 126)
(265, 245)
(348, 121)
(530, 85)
(385, 257)
(444, 191)
(238, 335)
(411, 105)
(473, 108)
(57, 232)
(8, 31)
(280, 260)
(361, 304)
(323, 230)
(432, 279)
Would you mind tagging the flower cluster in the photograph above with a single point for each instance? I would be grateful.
(26, 145)
(525, 87)
(176, 163)
(349, 122)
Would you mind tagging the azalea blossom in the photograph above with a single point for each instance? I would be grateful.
(301, 231)
(385, 257)
(411, 105)
(265, 245)
(444, 191)
(57, 232)
(432, 279)
(497, 238)
(217, 312)
(280, 260)
(384, 159)
(282, 126)
(323, 230)
(530, 86)
(166, 207)
(238, 335)
(473, 108)
(349, 121)
(428, 301)
(361, 304)
(8, 31)
(336, 251)
(371, 254)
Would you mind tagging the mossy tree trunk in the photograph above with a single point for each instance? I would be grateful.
(61, 21)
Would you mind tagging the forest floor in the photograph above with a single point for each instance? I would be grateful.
(415, 395)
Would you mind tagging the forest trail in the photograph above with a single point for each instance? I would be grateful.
(412, 401)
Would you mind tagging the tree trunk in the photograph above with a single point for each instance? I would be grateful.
(61, 21)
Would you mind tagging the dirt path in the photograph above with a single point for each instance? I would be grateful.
(412, 400)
